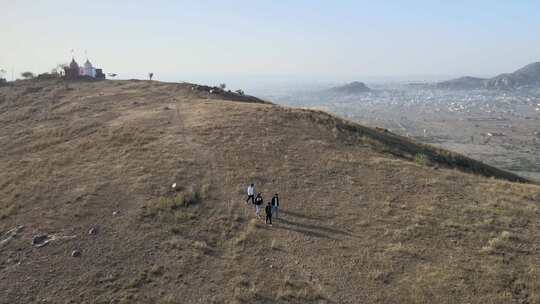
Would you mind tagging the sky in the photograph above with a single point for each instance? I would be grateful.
(271, 40)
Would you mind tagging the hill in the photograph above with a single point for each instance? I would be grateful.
(526, 77)
(367, 216)
(352, 88)
(462, 83)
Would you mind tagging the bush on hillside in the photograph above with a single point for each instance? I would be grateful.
(173, 209)
(45, 76)
(421, 159)
(27, 75)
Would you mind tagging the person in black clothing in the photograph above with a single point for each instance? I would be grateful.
(258, 203)
(268, 210)
(275, 205)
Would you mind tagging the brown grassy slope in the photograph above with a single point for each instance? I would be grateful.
(359, 224)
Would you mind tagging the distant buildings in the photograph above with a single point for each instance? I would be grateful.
(74, 71)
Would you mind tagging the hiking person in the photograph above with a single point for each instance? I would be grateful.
(150, 75)
(258, 203)
(251, 194)
(268, 210)
(275, 205)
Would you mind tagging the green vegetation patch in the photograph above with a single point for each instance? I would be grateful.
(421, 159)
(176, 208)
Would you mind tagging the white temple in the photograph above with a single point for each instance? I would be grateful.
(87, 69)
(74, 71)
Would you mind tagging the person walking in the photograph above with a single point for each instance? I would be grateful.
(268, 211)
(258, 203)
(275, 205)
(251, 194)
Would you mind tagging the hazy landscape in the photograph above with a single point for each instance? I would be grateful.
(270, 152)
(500, 127)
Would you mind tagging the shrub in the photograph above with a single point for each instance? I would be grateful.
(172, 208)
(421, 159)
(189, 198)
(45, 76)
(27, 75)
(498, 244)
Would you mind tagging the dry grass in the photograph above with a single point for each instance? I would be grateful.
(361, 222)
(174, 209)
(8, 211)
(297, 291)
(245, 237)
(501, 243)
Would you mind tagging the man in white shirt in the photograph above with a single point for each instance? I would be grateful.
(251, 194)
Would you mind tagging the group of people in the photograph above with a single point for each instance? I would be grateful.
(271, 209)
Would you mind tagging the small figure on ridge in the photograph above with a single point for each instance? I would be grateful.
(251, 194)
(258, 203)
(268, 210)
(275, 205)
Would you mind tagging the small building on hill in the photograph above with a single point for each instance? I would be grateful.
(88, 69)
(99, 74)
(74, 71)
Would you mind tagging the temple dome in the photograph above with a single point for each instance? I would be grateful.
(87, 64)
(73, 65)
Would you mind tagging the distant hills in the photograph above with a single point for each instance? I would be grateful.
(462, 83)
(526, 77)
(354, 87)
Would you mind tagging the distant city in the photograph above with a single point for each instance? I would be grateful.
(499, 127)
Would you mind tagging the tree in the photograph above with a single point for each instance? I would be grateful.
(2, 76)
(222, 86)
(27, 75)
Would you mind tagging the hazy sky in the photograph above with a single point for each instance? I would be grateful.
(328, 40)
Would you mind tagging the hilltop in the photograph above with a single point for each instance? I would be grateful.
(368, 216)
(462, 83)
(526, 77)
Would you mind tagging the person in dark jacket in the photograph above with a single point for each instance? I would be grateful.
(258, 204)
(268, 210)
(275, 205)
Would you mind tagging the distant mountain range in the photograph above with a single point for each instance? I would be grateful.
(352, 88)
(526, 77)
